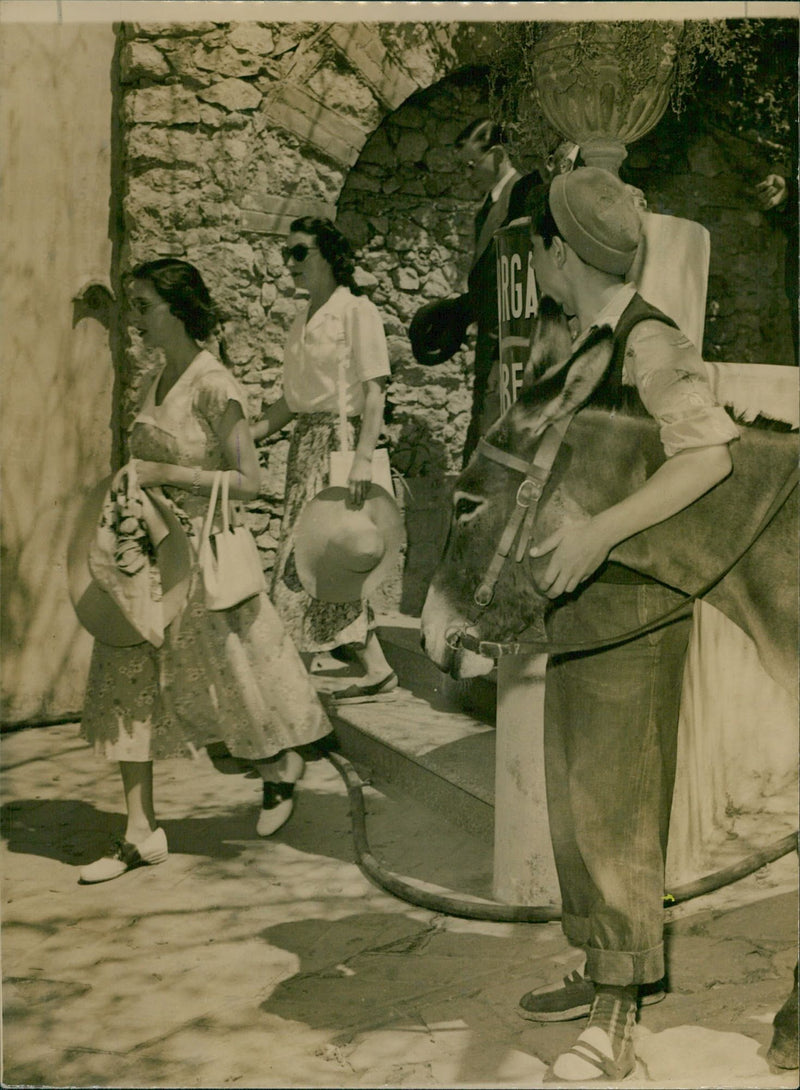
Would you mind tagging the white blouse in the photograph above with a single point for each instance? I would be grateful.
(344, 336)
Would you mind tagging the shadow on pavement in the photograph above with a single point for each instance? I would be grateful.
(368, 972)
(75, 832)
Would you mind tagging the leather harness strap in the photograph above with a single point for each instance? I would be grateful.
(527, 501)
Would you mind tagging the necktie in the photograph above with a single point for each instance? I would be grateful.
(482, 216)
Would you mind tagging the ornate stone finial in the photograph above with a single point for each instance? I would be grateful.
(601, 89)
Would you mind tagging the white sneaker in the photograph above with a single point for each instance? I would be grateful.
(126, 856)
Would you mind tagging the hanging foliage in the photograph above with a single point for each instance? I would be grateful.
(743, 72)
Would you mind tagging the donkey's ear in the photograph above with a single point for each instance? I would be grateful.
(585, 373)
(550, 344)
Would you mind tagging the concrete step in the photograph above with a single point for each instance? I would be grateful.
(431, 739)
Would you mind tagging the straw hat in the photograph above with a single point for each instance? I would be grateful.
(341, 552)
(97, 611)
(438, 330)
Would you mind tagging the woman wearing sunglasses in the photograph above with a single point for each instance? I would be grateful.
(336, 347)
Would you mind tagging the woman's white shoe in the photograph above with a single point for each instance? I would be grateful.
(126, 856)
(278, 797)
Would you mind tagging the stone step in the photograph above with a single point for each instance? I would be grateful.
(431, 739)
(400, 639)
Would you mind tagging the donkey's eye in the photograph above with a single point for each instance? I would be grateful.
(464, 507)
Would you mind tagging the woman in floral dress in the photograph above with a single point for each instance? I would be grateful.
(336, 351)
(234, 675)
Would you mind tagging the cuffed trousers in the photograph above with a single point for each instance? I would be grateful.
(611, 726)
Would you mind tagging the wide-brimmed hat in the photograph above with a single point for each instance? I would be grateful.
(342, 553)
(97, 610)
(439, 329)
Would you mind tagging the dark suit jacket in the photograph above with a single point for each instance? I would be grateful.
(482, 279)
(511, 204)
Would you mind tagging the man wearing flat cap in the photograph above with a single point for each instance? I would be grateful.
(611, 716)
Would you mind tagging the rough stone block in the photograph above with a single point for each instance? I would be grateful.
(366, 184)
(379, 151)
(167, 184)
(354, 226)
(411, 147)
(232, 94)
(172, 105)
(293, 109)
(363, 278)
(141, 60)
(174, 147)
(252, 38)
(436, 286)
(405, 279)
(226, 61)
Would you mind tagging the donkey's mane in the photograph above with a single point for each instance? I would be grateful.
(541, 391)
(762, 421)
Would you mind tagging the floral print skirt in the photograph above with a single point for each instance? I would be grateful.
(232, 676)
(313, 625)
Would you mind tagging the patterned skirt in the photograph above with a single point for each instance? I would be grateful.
(313, 625)
(233, 676)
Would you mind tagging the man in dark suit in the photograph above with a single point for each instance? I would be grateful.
(480, 148)
(439, 328)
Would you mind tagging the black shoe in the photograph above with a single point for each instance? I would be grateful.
(573, 998)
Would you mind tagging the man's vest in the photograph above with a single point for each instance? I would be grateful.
(612, 393)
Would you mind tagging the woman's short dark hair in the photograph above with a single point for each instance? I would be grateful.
(333, 246)
(542, 222)
(183, 289)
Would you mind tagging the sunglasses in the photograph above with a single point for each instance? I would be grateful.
(298, 252)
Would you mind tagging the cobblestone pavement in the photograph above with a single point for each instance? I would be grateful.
(276, 963)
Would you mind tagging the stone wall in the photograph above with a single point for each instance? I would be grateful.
(408, 207)
(232, 130)
(702, 173)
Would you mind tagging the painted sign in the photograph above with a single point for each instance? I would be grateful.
(517, 305)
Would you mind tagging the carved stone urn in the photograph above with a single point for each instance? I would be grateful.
(604, 85)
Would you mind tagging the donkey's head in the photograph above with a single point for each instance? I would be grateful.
(486, 497)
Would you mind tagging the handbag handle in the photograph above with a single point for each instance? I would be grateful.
(212, 504)
(226, 507)
(342, 399)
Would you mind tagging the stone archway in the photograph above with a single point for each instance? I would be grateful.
(232, 130)
(341, 82)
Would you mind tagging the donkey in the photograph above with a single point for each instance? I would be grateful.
(604, 455)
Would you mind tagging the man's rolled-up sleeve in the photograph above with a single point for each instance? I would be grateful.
(670, 376)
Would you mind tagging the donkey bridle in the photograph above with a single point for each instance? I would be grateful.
(529, 493)
(526, 504)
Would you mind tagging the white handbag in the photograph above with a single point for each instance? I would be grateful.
(341, 460)
(228, 557)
